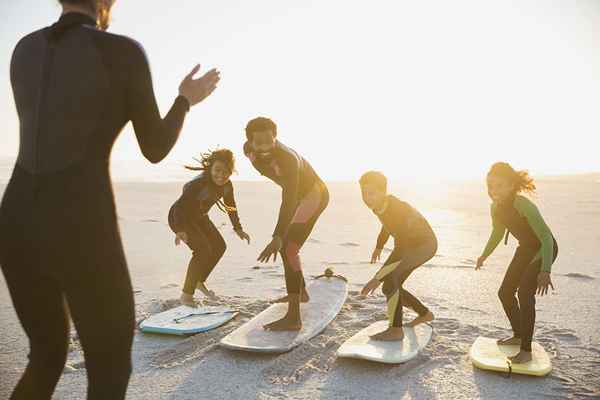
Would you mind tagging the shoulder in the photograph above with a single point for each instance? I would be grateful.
(286, 154)
(524, 205)
(124, 47)
(28, 42)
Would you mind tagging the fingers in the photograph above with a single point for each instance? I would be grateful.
(193, 72)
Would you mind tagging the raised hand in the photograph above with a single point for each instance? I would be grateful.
(196, 90)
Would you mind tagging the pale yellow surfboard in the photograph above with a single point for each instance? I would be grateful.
(487, 354)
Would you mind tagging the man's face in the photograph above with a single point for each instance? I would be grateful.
(263, 143)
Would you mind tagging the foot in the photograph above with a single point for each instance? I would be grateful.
(208, 293)
(188, 300)
(391, 334)
(304, 298)
(511, 341)
(284, 324)
(421, 319)
(521, 357)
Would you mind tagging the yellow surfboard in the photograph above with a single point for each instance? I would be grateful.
(487, 354)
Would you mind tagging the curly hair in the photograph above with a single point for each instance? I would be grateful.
(207, 160)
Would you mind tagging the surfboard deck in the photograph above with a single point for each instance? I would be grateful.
(361, 346)
(186, 320)
(327, 295)
(486, 354)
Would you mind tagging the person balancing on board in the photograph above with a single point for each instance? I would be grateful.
(304, 197)
(415, 243)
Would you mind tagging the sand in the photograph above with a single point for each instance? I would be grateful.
(464, 302)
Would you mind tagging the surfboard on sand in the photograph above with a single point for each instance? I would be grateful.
(185, 320)
(487, 354)
(327, 295)
(361, 346)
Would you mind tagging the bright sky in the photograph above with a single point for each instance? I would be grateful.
(413, 88)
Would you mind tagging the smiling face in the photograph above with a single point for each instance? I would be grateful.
(373, 196)
(263, 143)
(500, 188)
(219, 173)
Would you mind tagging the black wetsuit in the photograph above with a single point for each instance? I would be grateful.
(189, 214)
(536, 252)
(75, 88)
(415, 243)
(304, 198)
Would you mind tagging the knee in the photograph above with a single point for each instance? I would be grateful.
(505, 294)
(526, 294)
(50, 357)
(219, 250)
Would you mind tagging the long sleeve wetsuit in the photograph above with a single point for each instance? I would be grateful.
(75, 88)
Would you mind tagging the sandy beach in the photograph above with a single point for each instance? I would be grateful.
(465, 302)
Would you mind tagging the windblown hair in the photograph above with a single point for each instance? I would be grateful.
(207, 160)
(520, 179)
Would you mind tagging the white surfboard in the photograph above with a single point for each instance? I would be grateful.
(327, 295)
(487, 354)
(185, 320)
(361, 346)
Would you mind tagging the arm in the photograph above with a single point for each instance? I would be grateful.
(229, 199)
(382, 238)
(496, 236)
(289, 196)
(527, 209)
(156, 136)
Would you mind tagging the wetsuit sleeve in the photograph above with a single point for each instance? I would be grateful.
(289, 196)
(528, 210)
(498, 230)
(229, 199)
(383, 237)
(156, 136)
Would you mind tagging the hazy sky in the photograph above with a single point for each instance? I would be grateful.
(413, 88)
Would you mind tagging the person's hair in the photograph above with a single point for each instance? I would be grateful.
(520, 179)
(100, 7)
(207, 160)
(374, 178)
(260, 124)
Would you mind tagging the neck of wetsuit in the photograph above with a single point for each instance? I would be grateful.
(68, 21)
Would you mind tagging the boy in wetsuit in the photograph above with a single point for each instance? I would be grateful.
(414, 244)
(304, 197)
(529, 270)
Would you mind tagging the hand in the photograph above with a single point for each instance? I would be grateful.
(543, 281)
(271, 250)
(180, 237)
(370, 287)
(243, 235)
(196, 90)
(479, 264)
(376, 255)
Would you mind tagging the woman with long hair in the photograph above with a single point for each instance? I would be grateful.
(75, 88)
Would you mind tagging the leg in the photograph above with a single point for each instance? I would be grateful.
(39, 304)
(526, 295)
(217, 249)
(101, 302)
(199, 243)
(508, 290)
(304, 220)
